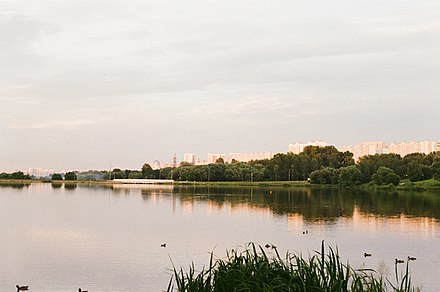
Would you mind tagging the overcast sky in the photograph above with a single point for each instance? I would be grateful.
(86, 84)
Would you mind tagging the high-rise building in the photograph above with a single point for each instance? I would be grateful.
(40, 172)
(189, 158)
(402, 148)
(299, 147)
(245, 157)
(212, 158)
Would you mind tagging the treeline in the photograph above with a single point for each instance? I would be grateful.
(282, 167)
(382, 169)
(14, 175)
(320, 165)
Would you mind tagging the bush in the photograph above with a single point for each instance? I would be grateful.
(384, 176)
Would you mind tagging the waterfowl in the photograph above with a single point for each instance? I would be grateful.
(367, 254)
(399, 261)
(411, 258)
(306, 232)
(22, 288)
(267, 245)
(163, 245)
(79, 290)
(273, 246)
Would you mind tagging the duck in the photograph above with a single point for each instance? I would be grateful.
(411, 258)
(367, 254)
(267, 245)
(22, 288)
(163, 245)
(80, 290)
(306, 232)
(399, 261)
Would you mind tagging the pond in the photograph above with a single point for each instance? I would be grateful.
(103, 238)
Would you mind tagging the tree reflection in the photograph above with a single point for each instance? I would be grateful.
(313, 204)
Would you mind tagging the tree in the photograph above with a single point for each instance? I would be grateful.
(369, 165)
(350, 175)
(147, 171)
(436, 168)
(135, 175)
(414, 171)
(392, 178)
(327, 175)
(70, 176)
(385, 175)
(18, 175)
(57, 176)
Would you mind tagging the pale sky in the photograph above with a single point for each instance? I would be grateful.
(86, 84)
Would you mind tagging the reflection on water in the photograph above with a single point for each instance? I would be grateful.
(311, 203)
(108, 238)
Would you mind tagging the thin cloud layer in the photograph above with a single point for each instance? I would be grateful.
(134, 81)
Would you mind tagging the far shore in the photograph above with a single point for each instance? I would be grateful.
(426, 185)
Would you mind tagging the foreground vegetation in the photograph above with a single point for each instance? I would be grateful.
(254, 270)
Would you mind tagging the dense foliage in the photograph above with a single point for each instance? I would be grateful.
(14, 175)
(57, 176)
(70, 176)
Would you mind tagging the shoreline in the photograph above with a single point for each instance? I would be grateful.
(427, 185)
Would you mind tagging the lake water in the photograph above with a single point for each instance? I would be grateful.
(62, 237)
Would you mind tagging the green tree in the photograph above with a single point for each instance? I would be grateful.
(57, 176)
(369, 165)
(392, 178)
(70, 176)
(385, 175)
(414, 171)
(147, 171)
(327, 175)
(135, 175)
(436, 168)
(349, 175)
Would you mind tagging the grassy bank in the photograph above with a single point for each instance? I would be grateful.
(254, 270)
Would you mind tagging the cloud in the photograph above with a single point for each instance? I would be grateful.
(252, 105)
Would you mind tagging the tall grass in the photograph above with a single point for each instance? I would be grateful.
(253, 270)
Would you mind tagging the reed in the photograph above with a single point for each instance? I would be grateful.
(254, 270)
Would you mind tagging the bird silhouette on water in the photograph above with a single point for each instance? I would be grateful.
(399, 261)
(80, 290)
(411, 258)
(22, 288)
(367, 254)
(163, 245)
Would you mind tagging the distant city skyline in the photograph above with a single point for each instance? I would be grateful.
(93, 84)
(365, 148)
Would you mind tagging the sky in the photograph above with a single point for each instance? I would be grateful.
(97, 84)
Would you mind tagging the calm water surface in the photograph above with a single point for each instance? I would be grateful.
(62, 237)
